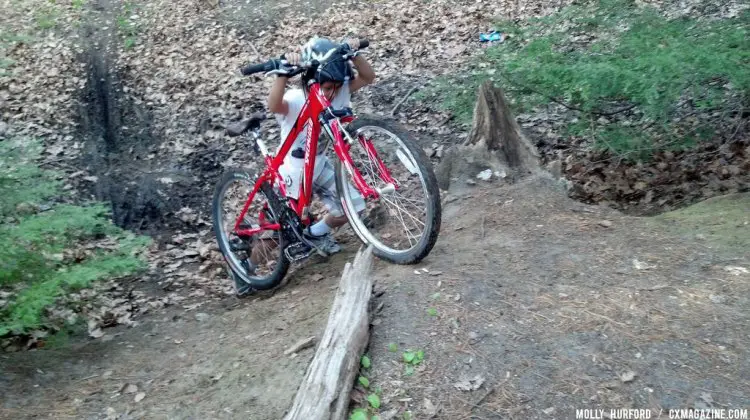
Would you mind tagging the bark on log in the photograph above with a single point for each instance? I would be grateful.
(495, 142)
(324, 392)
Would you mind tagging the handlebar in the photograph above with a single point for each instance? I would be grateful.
(280, 66)
(257, 68)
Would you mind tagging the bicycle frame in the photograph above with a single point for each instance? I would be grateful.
(315, 114)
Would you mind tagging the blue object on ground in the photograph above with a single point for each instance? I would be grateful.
(491, 37)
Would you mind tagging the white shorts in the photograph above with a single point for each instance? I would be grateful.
(324, 183)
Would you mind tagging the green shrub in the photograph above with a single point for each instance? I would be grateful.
(34, 243)
(611, 60)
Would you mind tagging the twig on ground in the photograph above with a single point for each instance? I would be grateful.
(653, 288)
(483, 397)
(408, 94)
(606, 318)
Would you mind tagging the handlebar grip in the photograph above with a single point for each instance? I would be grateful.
(364, 43)
(257, 68)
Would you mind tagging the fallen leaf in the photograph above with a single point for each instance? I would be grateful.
(300, 345)
(485, 175)
(429, 407)
(628, 376)
(737, 271)
(190, 253)
(471, 384)
(129, 389)
(640, 265)
(111, 413)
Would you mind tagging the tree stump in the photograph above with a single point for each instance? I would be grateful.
(495, 142)
(324, 392)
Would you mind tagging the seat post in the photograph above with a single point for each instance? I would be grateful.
(259, 141)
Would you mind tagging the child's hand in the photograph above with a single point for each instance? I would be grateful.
(293, 58)
(353, 43)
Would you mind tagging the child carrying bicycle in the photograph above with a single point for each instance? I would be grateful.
(337, 82)
(401, 182)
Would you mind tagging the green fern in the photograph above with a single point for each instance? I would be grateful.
(32, 243)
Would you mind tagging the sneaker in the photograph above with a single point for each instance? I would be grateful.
(325, 243)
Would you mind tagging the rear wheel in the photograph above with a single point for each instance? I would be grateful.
(257, 261)
(402, 225)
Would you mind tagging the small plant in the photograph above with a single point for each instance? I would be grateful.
(374, 401)
(359, 414)
(412, 359)
(432, 312)
(365, 362)
(393, 347)
(127, 26)
(46, 18)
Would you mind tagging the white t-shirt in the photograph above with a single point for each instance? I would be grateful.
(295, 99)
(291, 170)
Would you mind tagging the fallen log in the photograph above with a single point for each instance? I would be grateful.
(324, 392)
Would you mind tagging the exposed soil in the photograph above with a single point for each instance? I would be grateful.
(549, 304)
(120, 141)
(217, 360)
(552, 305)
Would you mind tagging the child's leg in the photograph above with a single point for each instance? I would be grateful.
(325, 188)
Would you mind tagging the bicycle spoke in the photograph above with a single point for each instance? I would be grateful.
(403, 223)
(401, 164)
(399, 207)
(261, 248)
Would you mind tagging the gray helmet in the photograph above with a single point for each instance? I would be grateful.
(336, 69)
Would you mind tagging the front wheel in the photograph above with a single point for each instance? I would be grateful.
(402, 224)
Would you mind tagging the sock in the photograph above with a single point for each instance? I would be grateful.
(320, 228)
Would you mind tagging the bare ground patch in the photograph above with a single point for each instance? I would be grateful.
(221, 360)
(552, 305)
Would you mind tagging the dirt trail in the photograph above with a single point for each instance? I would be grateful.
(535, 305)
(541, 303)
(222, 360)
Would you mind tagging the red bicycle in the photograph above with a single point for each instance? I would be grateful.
(255, 221)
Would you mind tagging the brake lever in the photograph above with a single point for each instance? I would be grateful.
(277, 71)
(283, 63)
(351, 55)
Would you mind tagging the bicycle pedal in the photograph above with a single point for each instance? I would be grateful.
(298, 252)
